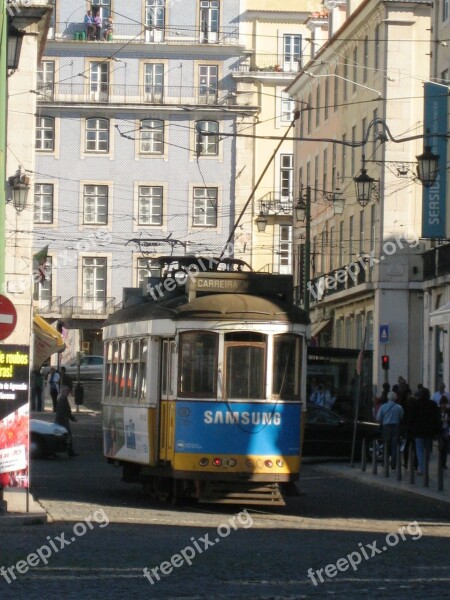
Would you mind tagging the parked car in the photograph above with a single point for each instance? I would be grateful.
(91, 367)
(328, 435)
(47, 438)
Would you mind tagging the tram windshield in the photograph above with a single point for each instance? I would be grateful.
(245, 365)
(198, 364)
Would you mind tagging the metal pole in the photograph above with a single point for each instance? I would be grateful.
(307, 265)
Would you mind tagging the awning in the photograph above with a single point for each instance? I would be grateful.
(316, 328)
(441, 316)
(47, 341)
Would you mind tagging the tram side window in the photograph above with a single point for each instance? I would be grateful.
(109, 357)
(142, 383)
(245, 365)
(198, 364)
(286, 367)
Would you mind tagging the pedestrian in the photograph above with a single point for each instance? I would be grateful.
(390, 416)
(66, 379)
(444, 411)
(384, 393)
(64, 416)
(439, 393)
(409, 434)
(90, 27)
(425, 424)
(53, 385)
(36, 386)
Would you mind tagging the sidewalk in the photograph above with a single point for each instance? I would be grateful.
(391, 482)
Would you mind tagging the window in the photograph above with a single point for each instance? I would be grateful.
(309, 113)
(444, 77)
(341, 243)
(445, 9)
(153, 82)
(372, 228)
(43, 203)
(355, 68)
(344, 156)
(366, 58)
(97, 135)
(245, 361)
(209, 21)
(155, 20)
(205, 207)
(325, 170)
(150, 211)
(207, 145)
(208, 81)
(345, 77)
(292, 50)
(331, 243)
(45, 134)
(350, 238)
(353, 153)
(376, 59)
(323, 243)
(287, 352)
(334, 173)
(283, 258)
(287, 108)
(317, 105)
(327, 97)
(286, 176)
(145, 269)
(336, 89)
(94, 282)
(152, 136)
(197, 376)
(46, 80)
(51, 29)
(361, 232)
(95, 205)
(101, 7)
(99, 81)
(43, 289)
(375, 139)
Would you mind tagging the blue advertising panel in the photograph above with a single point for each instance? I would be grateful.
(237, 428)
(435, 120)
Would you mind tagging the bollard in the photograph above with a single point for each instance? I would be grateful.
(374, 457)
(363, 455)
(399, 463)
(386, 459)
(426, 464)
(411, 463)
(440, 469)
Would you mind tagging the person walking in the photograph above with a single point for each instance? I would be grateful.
(425, 424)
(36, 386)
(439, 393)
(53, 385)
(64, 416)
(390, 416)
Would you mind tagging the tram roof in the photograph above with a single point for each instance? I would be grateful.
(213, 306)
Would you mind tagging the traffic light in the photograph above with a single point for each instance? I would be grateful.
(385, 362)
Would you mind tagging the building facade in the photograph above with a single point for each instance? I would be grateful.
(130, 164)
(364, 93)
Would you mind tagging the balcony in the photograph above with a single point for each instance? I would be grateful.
(73, 92)
(345, 278)
(50, 307)
(274, 203)
(87, 307)
(269, 63)
(135, 33)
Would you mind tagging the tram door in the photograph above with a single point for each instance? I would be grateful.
(167, 397)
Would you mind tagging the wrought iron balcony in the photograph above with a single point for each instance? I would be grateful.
(87, 307)
(270, 63)
(274, 203)
(48, 307)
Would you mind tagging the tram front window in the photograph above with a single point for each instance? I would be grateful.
(198, 364)
(245, 365)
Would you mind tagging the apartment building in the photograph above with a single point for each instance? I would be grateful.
(364, 90)
(124, 172)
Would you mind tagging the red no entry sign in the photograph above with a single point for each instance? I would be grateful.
(8, 317)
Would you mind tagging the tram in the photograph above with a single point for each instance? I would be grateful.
(204, 387)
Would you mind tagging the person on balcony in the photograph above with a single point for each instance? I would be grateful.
(90, 27)
(109, 28)
(98, 26)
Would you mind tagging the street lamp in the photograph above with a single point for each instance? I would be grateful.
(15, 38)
(19, 185)
(364, 184)
(427, 167)
(261, 222)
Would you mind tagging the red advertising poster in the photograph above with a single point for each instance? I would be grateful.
(14, 415)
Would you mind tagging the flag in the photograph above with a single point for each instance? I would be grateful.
(359, 362)
(39, 260)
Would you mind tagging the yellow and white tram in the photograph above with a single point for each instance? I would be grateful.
(204, 390)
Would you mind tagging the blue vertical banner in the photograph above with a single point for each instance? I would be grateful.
(435, 120)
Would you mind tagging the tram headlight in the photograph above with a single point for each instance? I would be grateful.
(280, 463)
(231, 462)
(268, 464)
(203, 462)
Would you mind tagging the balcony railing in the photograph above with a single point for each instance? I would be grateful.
(74, 92)
(339, 280)
(50, 306)
(274, 203)
(436, 262)
(270, 63)
(87, 306)
(137, 33)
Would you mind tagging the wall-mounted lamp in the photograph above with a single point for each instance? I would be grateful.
(427, 167)
(20, 186)
(15, 38)
(261, 222)
(364, 185)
